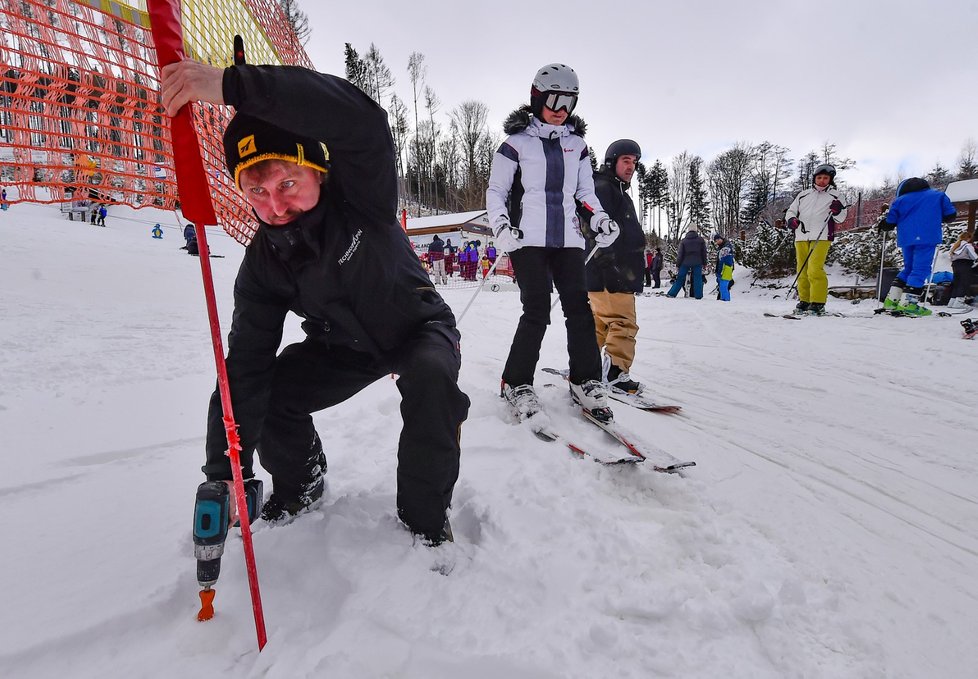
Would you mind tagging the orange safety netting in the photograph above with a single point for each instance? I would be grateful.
(80, 119)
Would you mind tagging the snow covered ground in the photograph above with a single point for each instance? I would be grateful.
(830, 528)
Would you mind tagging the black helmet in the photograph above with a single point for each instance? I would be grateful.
(622, 147)
(555, 85)
(824, 168)
(912, 185)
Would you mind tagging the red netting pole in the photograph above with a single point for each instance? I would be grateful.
(197, 207)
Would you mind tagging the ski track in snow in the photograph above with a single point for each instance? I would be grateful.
(829, 529)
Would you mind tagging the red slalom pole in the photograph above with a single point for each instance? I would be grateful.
(197, 207)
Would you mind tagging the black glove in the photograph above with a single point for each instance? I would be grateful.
(793, 223)
(836, 206)
(884, 225)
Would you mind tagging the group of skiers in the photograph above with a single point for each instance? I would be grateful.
(917, 215)
(441, 257)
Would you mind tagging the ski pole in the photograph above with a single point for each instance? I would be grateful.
(492, 269)
(805, 263)
(879, 283)
(586, 260)
(930, 277)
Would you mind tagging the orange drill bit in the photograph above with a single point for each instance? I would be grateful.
(206, 604)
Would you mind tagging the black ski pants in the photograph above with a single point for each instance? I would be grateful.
(311, 376)
(963, 274)
(536, 268)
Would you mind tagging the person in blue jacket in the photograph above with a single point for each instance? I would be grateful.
(190, 235)
(917, 215)
(724, 266)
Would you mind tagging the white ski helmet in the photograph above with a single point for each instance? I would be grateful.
(556, 87)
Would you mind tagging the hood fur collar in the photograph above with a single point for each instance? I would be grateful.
(520, 119)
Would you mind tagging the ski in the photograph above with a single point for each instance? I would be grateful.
(545, 432)
(798, 317)
(639, 400)
(539, 424)
(642, 402)
(661, 461)
(895, 312)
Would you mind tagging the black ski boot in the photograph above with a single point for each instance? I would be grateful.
(622, 381)
(284, 504)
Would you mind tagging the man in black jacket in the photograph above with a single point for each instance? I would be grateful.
(691, 258)
(616, 273)
(329, 249)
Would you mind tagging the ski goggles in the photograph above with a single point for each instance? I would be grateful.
(557, 101)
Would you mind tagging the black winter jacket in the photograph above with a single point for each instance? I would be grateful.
(346, 267)
(692, 250)
(621, 266)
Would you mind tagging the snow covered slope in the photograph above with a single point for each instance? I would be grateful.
(830, 529)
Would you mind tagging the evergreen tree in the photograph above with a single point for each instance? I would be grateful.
(356, 70)
(657, 182)
(378, 78)
(699, 205)
(939, 177)
(297, 19)
(770, 252)
(644, 200)
(758, 194)
(859, 252)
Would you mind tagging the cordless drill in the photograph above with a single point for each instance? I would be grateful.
(213, 515)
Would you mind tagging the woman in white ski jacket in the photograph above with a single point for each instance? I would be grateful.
(540, 175)
(813, 215)
(964, 259)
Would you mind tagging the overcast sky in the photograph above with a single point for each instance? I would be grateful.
(892, 83)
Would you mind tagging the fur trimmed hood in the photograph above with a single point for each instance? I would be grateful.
(520, 119)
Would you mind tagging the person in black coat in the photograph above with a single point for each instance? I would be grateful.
(615, 273)
(691, 258)
(329, 249)
(436, 255)
(657, 267)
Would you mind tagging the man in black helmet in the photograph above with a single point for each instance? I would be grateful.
(615, 273)
(333, 254)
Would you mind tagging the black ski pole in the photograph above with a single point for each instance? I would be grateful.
(879, 280)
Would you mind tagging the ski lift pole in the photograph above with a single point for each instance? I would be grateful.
(197, 207)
